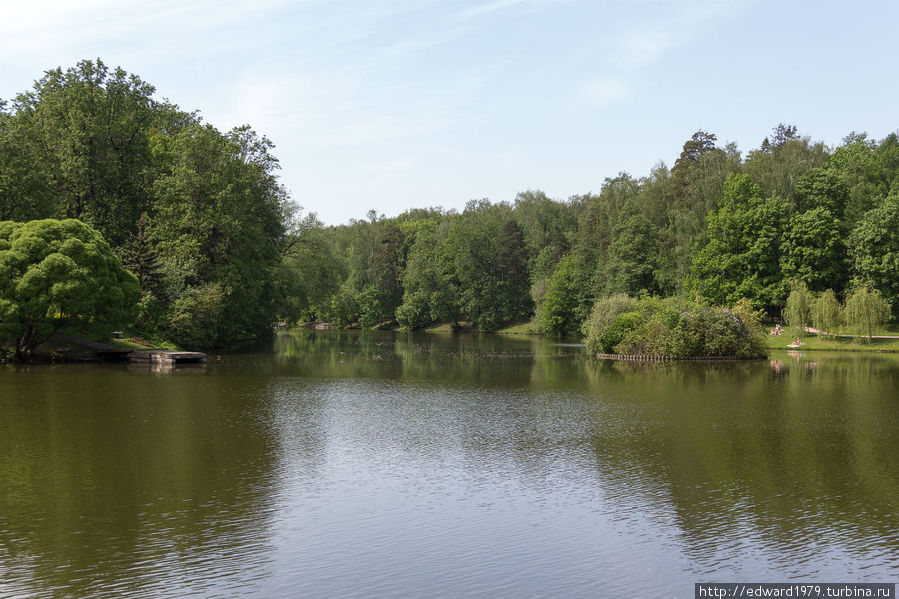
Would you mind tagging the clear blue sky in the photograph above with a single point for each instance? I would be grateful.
(396, 104)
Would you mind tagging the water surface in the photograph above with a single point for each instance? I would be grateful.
(337, 464)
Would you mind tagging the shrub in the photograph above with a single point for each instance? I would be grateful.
(604, 312)
(673, 327)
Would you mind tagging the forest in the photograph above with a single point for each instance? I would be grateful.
(221, 252)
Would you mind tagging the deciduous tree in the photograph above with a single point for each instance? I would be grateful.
(866, 310)
(54, 273)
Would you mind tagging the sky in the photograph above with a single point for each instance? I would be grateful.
(398, 104)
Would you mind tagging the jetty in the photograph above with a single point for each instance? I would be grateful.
(106, 352)
(166, 356)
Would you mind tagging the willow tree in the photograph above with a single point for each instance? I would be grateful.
(56, 273)
(866, 310)
(798, 309)
(827, 314)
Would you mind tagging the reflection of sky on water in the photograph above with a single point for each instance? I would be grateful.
(435, 465)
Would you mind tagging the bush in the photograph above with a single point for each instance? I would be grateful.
(673, 327)
(604, 312)
(619, 330)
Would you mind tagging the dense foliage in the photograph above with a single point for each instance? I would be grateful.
(220, 252)
(197, 214)
(716, 226)
(55, 273)
(673, 327)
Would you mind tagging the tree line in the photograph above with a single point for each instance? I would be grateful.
(717, 227)
(221, 252)
(197, 214)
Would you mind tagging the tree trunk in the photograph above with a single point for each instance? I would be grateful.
(24, 343)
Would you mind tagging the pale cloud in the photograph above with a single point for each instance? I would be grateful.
(642, 35)
(46, 30)
(640, 39)
(378, 100)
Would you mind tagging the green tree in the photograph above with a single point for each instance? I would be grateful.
(310, 272)
(565, 305)
(388, 263)
(865, 310)
(778, 167)
(547, 226)
(139, 255)
(827, 314)
(485, 292)
(696, 183)
(820, 188)
(220, 220)
(55, 273)
(633, 257)
(430, 292)
(26, 189)
(195, 319)
(511, 258)
(798, 309)
(779, 136)
(371, 307)
(874, 249)
(344, 309)
(812, 249)
(856, 162)
(741, 257)
(91, 127)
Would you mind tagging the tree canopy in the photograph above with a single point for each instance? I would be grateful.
(57, 272)
(197, 213)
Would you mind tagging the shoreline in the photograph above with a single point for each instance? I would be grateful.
(648, 358)
(829, 345)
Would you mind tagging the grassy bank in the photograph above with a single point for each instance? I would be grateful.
(823, 342)
(522, 328)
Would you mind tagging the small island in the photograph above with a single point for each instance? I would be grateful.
(654, 329)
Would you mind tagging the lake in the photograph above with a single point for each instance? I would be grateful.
(348, 464)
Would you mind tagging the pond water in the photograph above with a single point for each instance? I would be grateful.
(347, 464)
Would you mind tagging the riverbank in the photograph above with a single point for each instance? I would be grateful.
(518, 328)
(72, 345)
(812, 340)
(817, 342)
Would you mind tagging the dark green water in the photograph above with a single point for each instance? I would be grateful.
(398, 465)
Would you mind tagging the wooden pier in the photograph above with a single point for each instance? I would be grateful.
(165, 356)
(105, 352)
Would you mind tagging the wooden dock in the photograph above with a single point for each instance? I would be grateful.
(165, 356)
(105, 352)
